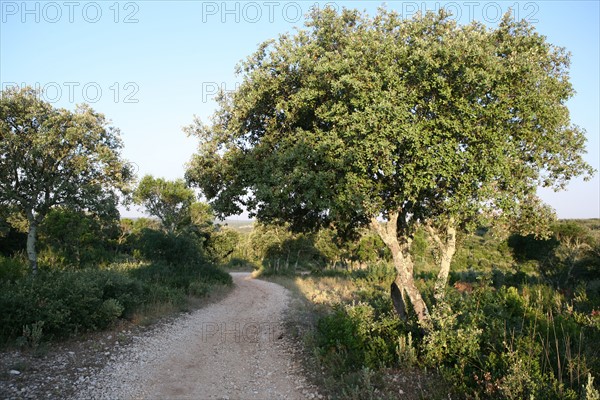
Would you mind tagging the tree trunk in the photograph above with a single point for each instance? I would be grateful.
(403, 262)
(447, 248)
(398, 298)
(31, 252)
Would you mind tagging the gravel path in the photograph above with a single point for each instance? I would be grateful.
(233, 349)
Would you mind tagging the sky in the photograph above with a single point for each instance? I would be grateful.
(150, 66)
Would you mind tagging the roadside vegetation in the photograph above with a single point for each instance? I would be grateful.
(521, 318)
(92, 275)
(68, 263)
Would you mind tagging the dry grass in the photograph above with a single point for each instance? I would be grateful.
(326, 290)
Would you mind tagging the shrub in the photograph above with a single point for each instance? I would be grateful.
(65, 302)
(451, 346)
(221, 244)
(69, 302)
(76, 238)
(354, 336)
(180, 276)
(157, 246)
(13, 268)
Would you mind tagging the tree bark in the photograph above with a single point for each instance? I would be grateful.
(31, 252)
(404, 283)
(398, 299)
(447, 247)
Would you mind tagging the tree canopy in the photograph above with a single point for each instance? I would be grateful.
(55, 157)
(169, 201)
(393, 123)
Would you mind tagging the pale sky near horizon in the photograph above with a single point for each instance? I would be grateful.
(149, 66)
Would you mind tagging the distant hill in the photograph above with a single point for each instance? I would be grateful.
(242, 225)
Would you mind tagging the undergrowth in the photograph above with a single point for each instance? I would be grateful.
(507, 329)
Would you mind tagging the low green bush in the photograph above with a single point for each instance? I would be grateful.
(13, 268)
(499, 343)
(354, 336)
(69, 302)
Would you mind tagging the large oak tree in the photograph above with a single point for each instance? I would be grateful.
(53, 157)
(393, 124)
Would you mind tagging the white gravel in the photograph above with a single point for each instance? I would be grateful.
(233, 349)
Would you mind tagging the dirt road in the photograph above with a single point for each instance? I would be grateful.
(233, 349)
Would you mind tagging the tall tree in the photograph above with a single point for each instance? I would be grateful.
(55, 157)
(393, 123)
(169, 201)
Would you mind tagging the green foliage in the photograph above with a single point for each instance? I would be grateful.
(407, 354)
(531, 248)
(450, 344)
(170, 248)
(570, 254)
(509, 336)
(55, 157)
(78, 238)
(356, 117)
(369, 249)
(354, 337)
(65, 303)
(32, 334)
(278, 250)
(421, 122)
(12, 268)
(221, 244)
(180, 276)
(129, 226)
(169, 201)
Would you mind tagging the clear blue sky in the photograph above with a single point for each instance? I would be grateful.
(151, 65)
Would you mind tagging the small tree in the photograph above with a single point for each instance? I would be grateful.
(393, 123)
(169, 201)
(54, 157)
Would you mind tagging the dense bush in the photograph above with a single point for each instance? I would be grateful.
(58, 303)
(277, 250)
(77, 239)
(180, 276)
(507, 330)
(13, 268)
(221, 244)
(168, 248)
(67, 302)
(508, 344)
(355, 336)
